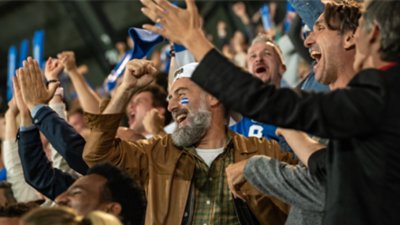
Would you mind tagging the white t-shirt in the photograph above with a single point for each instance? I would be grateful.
(208, 155)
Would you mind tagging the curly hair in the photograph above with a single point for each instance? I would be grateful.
(342, 15)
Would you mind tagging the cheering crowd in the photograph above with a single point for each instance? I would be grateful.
(268, 127)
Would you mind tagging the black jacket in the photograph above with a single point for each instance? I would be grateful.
(362, 121)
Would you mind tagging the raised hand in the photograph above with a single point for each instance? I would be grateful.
(19, 101)
(153, 122)
(138, 73)
(12, 107)
(174, 21)
(31, 83)
(67, 58)
(235, 178)
(182, 26)
(53, 69)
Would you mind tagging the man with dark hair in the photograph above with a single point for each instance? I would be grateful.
(361, 163)
(149, 101)
(109, 189)
(6, 194)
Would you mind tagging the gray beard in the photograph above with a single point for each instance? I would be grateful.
(197, 126)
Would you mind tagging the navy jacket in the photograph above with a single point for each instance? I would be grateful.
(38, 170)
(64, 138)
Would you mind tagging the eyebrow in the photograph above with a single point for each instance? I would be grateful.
(77, 187)
(176, 91)
(318, 22)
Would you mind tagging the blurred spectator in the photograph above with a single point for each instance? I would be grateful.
(11, 214)
(66, 216)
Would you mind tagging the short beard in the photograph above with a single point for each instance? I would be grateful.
(197, 126)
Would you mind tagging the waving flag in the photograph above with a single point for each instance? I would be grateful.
(144, 41)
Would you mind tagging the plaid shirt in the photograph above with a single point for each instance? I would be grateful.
(213, 201)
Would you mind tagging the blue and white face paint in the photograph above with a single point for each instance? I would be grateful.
(184, 101)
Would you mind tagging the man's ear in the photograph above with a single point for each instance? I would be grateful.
(373, 35)
(213, 101)
(113, 208)
(282, 69)
(349, 42)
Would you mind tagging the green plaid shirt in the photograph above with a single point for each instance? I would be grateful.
(213, 202)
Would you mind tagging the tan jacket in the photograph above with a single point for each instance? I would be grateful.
(165, 171)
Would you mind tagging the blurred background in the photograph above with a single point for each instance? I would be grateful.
(97, 31)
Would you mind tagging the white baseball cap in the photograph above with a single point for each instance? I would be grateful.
(184, 71)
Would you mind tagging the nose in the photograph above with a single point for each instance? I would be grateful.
(310, 40)
(259, 58)
(61, 199)
(173, 104)
(131, 106)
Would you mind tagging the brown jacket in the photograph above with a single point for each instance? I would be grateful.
(165, 171)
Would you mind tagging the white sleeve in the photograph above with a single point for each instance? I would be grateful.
(22, 191)
(58, 161)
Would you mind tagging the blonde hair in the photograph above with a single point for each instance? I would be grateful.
(263, 38)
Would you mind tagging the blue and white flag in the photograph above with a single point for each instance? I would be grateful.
(265, 17)
(144, 41)
(182, 56)
(12, 66)
(38, 47)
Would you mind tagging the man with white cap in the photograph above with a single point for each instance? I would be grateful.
(184, 173)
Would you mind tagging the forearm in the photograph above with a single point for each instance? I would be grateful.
(119, 101)
(200, 47)
(22, 191)
(316, 113)
(58, 160)
(10, 129)
(64, 138)
(292, 184)
(302, 144)
(88, 99)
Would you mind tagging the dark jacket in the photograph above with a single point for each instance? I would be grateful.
(63, 137)
(38, 170)
(362, 121)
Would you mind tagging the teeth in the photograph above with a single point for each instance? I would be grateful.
(180, 118)
(316, 56)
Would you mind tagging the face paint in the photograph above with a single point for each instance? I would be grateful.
(184, 101)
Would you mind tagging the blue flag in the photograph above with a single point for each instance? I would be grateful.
(12, 66)
(23, 51)
(38, 47)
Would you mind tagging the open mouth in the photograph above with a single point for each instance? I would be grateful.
(316, 56)
(181, 116)
(261, 69)
(131, 118)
